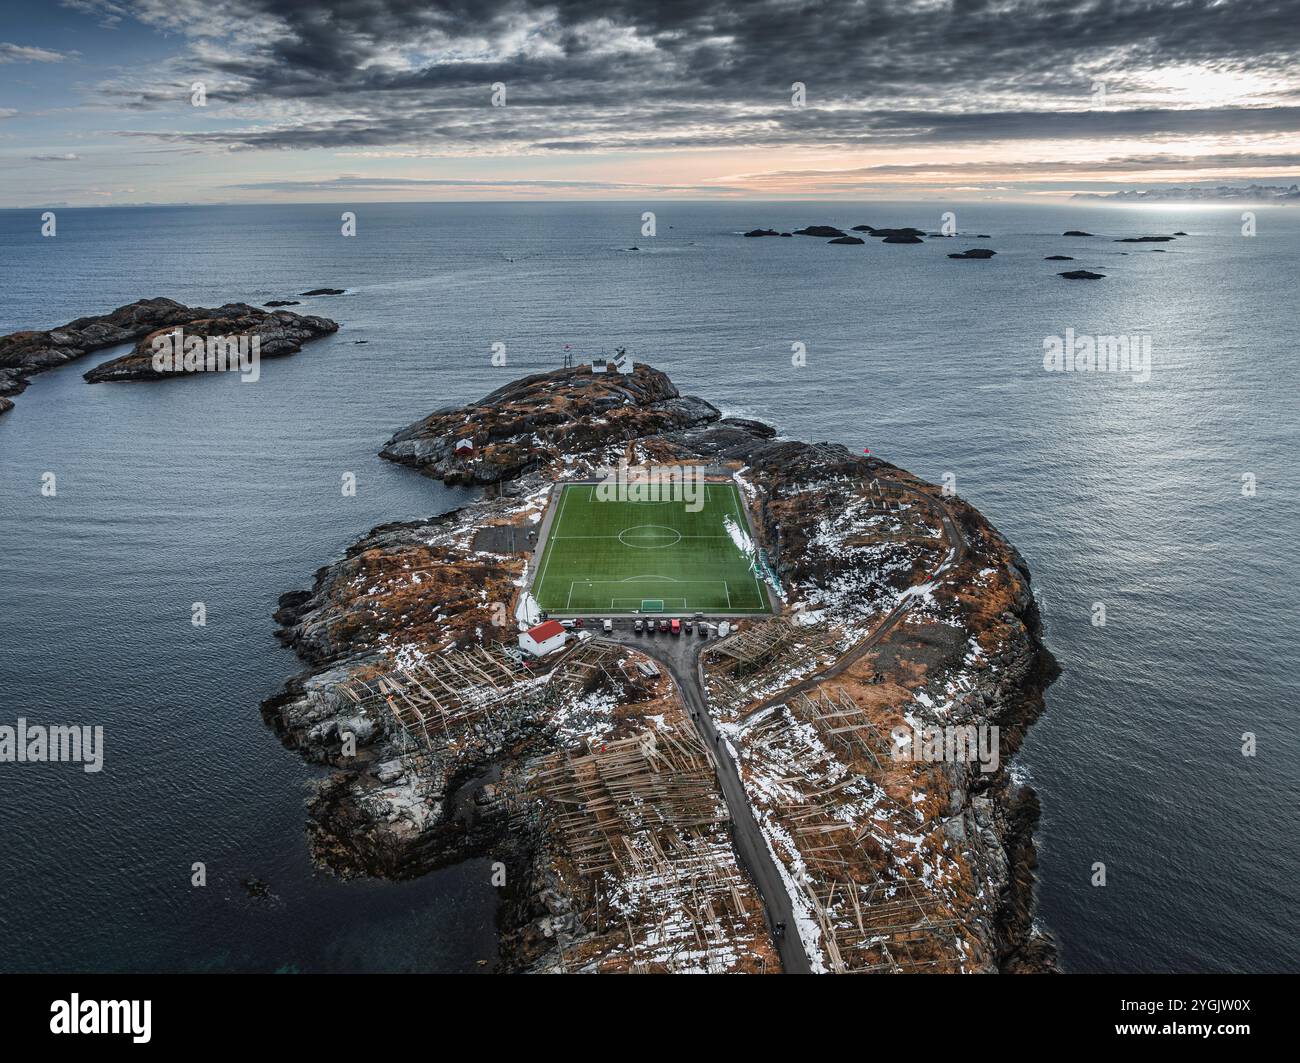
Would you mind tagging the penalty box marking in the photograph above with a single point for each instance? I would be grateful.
(711, 584)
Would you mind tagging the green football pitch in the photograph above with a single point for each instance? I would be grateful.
(624, 557)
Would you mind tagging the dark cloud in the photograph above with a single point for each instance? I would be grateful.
(625, 74)
(349, 183)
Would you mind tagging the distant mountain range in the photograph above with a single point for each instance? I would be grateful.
(1202, 194)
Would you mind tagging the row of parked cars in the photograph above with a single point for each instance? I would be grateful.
(671, 625)
(664, 624)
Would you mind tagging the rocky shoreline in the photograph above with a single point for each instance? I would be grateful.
(25, 354)
(852, 540)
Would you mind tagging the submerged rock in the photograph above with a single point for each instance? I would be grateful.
(324, 291)
(1081, 275)
(762, 232)
(1075, 232)
(256, 888)
(847, 240)
(1144, 239)
(1059, 258)
(975, 252)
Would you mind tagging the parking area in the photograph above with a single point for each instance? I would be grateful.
(695, 627)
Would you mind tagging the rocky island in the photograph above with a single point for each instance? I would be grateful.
(277, 332)
(24, 354)
(751, 802)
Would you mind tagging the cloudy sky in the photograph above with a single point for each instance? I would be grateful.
(356, 100)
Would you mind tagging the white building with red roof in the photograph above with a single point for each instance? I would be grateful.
(543, 639)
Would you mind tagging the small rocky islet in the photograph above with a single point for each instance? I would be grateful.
(911, 235)
(25, 354)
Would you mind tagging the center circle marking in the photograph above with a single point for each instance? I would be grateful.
(677, 537)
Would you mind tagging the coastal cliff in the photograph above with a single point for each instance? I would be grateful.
(902, 606)
(24, 354)
(534, 421)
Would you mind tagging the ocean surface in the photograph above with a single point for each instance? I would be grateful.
(1118, 492)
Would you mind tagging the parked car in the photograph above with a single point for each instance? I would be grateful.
(663, 624)
(567, 623)
(636, 625)
(704, 630)
(607, 625)
(676, 626)
(578, 622)
(689, 626)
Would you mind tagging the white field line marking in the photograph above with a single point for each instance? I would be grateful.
(637, 603)
(555, 527)
(669, 579)
(633, 528)
(743, 524)
(591, 586)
